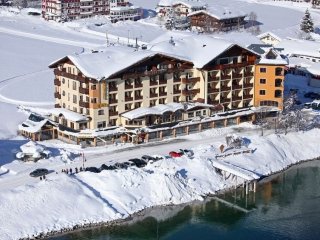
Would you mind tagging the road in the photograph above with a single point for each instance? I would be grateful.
(93, 159)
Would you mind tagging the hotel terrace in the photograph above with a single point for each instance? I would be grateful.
(171, 88)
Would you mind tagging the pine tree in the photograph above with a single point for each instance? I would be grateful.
(307, 23)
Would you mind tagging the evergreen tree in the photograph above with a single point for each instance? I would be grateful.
(307, 23)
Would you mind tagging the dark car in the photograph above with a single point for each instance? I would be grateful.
(138, 162)
(39, 172)
(107, 167)
(121, 165)
(92, 169)
(147, 158)
(311, 95)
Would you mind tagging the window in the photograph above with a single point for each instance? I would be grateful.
(101, 112)
(93, 100)
(101, 124)
(278, 94)
(263, 81)
(263, 70)
(137, 105)
(93, 87)
(198, 113)
(74, 85)
(278, 71)
(262, 92)
(63, 93)
(74, 98)
(190, 114)
(278, 82)
(63, 80)
(224, 61)
(87, 111)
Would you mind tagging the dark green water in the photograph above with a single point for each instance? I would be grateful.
(286, 206)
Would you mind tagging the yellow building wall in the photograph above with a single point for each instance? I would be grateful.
(269, 85)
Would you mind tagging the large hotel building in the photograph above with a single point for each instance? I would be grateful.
(166, 84)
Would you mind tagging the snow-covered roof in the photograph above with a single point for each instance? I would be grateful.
(163, 108)
(314, 69)
(188, 3)
(31, 148)
(220, 13)
(204, 48)
(104, 63)
(277, 59)
(69, 115)
(124, 8)
(269, 34)
(31, 126)
(300, 47)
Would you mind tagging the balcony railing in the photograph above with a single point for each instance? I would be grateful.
(57, 95)
(248, 74)
(247, 96)
(225, 88)
(233, 65)
(236, 87)
(113, 89)
(83, 104)
(190, 92)
(225, 77)
(153, 95)
(138, 85)
(225, 100)
(235, 75)
(190, 80)
(149, 73)
(126, 86)
(213, 90)
(128, 99)
(248, 85)
(176, 91)
(162, 81)
(112, 113)
(162, 94)
(84, 90)
(176, 80)
(138, 97)
(57, 82)
(63, 73)
(236, 98)
(113, 101)
(213, 102)
(57, 105)
(213, 79)
(153, 83)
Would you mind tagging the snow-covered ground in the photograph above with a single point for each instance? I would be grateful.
(29, 44)
(65, 201)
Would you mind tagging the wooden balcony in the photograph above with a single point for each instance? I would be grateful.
(78, 77)
(248, 85)
(153, 83)
(247, 96)
(213, 79)
(57, 105)
(57, 95)
(161, 94)
(213, 90)
(83, 104)
(137, 97)
(225, 77)
(113, 101)
(176, 91)
(233, 65)
(153, 95)
(235, 75)
(190, 80)
(225, 88)
(190, 92)
(128, 99)
(57, 82)
(213, 102)
(84, 90)
(177, 80)
(236, 98)
(128, 86)
(234, 87)
(138, 85)
(225, 100)
(113, 113)
(248, 74)
(150, 73)
(113, 89)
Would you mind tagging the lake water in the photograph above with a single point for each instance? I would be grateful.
(285, 206)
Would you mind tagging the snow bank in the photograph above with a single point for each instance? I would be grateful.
(63, 201)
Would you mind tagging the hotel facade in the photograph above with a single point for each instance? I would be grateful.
(120, 87)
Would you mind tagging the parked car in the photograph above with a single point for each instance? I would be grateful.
(92, 169)
(138, 162)
(107, 167)
(39, 172)
(187, 152)
(175, 154)
(312, 95)
(121, 166)
(147, 158)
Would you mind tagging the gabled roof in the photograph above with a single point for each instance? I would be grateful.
(269, 34)
(220, 13)
(190, 3)
(272, 57)
(300, 47)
